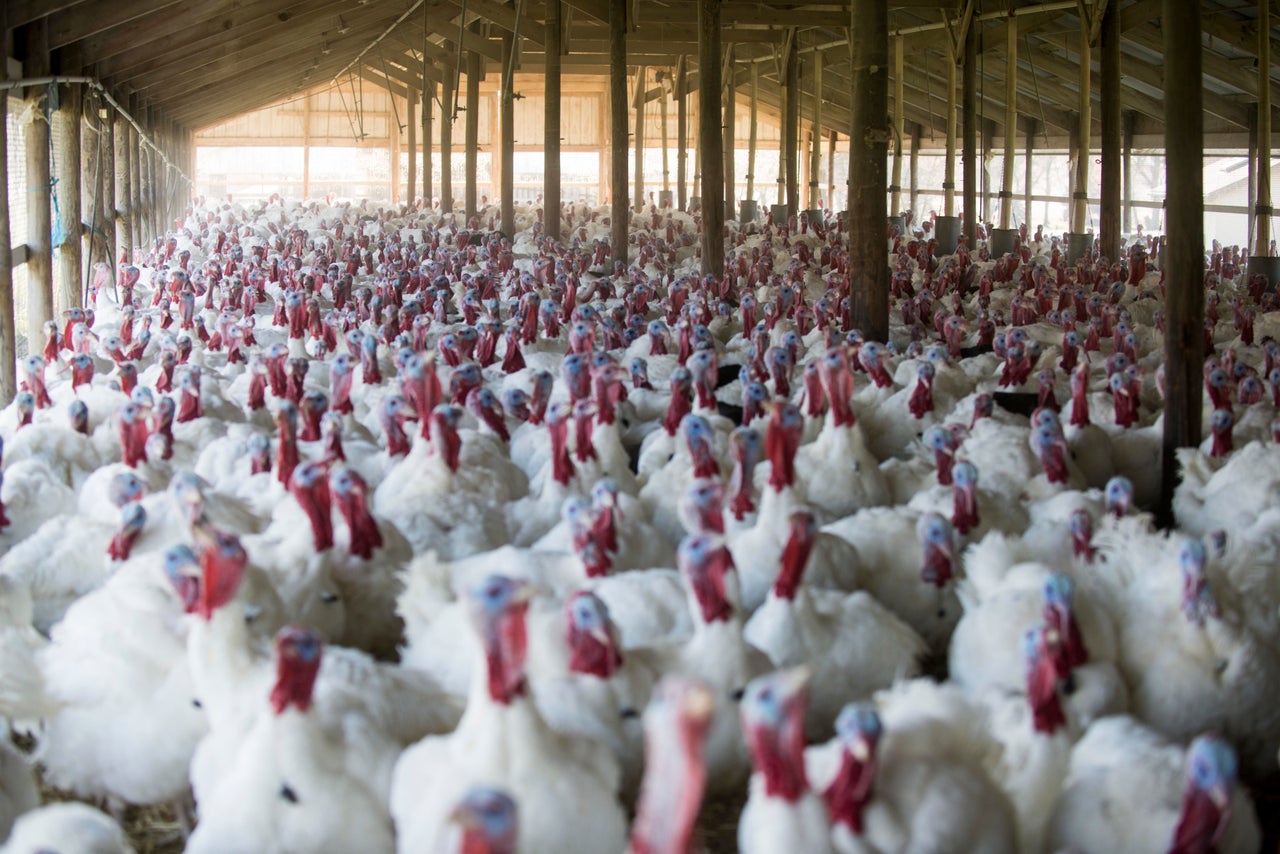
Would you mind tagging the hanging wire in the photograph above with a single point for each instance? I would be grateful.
(1031, 60)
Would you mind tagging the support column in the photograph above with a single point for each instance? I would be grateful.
(915, 168)
(1253, 175)
(135, 192)
(753, 131)
(971, 137)
(507, 106)
(70, 163)
(984, 179)
(868, 157)
(638, 183)
(1028, 189)
(619, 207)
(666, 136)
(815, 153)
(831, 171)
(791, 128)
(123, 198)
(101, 115)
(1010, 122)
(306, 147)
(1084, 113)
(39, 236)
(411, 120)
(899, 129)
(1184, 275)
(8, 323)
(447, 96)
(428, 97)
(711, 154)
(730, 137)
(551, 122)
(949, 167)
(682, 137)
(1109, 224)
(475, 71)
(393, 143)
(1262, 222)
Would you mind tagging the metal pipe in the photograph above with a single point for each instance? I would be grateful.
(374, 43)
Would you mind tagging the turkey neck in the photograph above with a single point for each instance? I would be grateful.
(220, 656)
(670, 797)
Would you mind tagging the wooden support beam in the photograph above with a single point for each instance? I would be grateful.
(899, 128)
(638, 148)
(868, 156)
(1262, 226)
(123, 197)
(507, 124)
(1184, 249)
(618, 128)
(815, 152)
(1028, 189)
(411, 123)
(505, 17)
(1126, 121)
(428, 107)
(8, 322)
(791, 127)
(99, 118)
(1010, 124)
(67, 156)
(831, 171)
(682, 137)
(1109, 226)
(551, 218)
(666, 141)
(915, 167)
(970, 108)
(34, 38)
(949, 164)
(753, 133)
(475, 70)
(729, 136)
(447, 96)
(92, 18)
(711, 153)
(1080, 196)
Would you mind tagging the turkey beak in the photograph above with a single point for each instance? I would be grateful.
(699, 704)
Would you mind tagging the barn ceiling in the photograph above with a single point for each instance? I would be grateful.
(199, 64)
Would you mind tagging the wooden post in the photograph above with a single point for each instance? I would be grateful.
(712, 155)
(8, 323)
(915, 167)
(729, 136)
(447, 95)
(1028, 189)
(507, 96)
(815, 153)
(791, 127)
(753, 131)
(551, 122)
(666, 135)
(123, 197)
(641, 75)
(988, 143)
(949, 167)
(411, 120)
(619, 206)
(39, 235)
(682, 136)
(1253, 174)
(1262, 226)
(101, 117)
(1184, 252)
(1080, 195)
(831, 171)
(135, 194)
(306, 147)
(899, 128)
(1010, 122)
(393, 143)
(70, 165)
(1109, 225)
(475, 71)
(971, 136)
(868, 157)
(428, 181)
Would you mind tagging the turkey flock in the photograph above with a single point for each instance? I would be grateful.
(339, 528)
